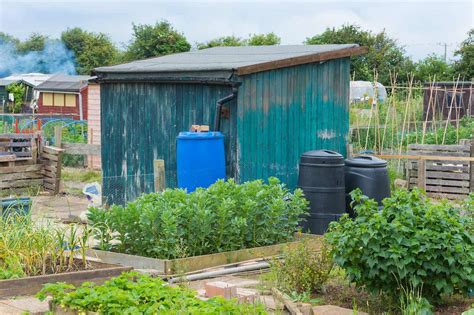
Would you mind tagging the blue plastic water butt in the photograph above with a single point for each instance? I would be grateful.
(200, 159)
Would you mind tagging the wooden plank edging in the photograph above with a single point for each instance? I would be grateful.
(425, 157)
(437, 147)
(189, 264)
(31, 285)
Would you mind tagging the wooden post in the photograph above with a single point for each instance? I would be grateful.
(470, 143)
(58, 136)
(422, 173)
(349, 150)
(58, 173)
(471, 168)
(159, 170)
(34, 150)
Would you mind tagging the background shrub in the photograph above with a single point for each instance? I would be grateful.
(224, 217)
(411, 242)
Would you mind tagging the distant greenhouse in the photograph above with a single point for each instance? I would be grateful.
(362, 91)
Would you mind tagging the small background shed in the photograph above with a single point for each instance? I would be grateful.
(291, 99)
(439, 97)
(30, 80)
(64, 94)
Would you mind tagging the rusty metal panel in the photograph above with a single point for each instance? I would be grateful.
(283, 113)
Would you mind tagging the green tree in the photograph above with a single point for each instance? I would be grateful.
(465, 65)
(264, 39)
(384, 54)
(7, 38)
(253, 40)
(35, 42)
(18, 90)
(155, 40)
(223, 41)
(433, 67)
(90, 49)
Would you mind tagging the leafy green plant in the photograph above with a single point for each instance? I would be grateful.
(303, 269)
(71, 133)
(410, 240)
(224, 217)
(452, 136)
(18, 90)
(134, 293)
(412, 301)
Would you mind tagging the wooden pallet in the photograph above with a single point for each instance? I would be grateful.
(22, 168)
(450, 178)
(50, 160)
(23, 146)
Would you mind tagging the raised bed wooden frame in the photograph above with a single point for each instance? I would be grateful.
(32, 285)
(170, 267)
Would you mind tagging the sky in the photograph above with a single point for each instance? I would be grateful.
(423, 27)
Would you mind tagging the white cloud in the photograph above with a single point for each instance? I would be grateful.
(420, 25)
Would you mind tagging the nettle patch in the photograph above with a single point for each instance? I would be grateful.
(411, 243)
(224, 217)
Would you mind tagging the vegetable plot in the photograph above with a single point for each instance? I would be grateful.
(29, 249)
(134, 293)
(224, 217)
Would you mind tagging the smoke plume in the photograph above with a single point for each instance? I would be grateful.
(55, 57)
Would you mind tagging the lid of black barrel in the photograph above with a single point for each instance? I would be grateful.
(321, 156)
(366, 161)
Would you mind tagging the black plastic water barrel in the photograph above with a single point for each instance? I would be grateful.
(368, 173)
(321, 177)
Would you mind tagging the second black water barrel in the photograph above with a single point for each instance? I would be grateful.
(321, 177)
(368, 173)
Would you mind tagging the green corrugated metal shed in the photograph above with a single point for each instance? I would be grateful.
(291, 99)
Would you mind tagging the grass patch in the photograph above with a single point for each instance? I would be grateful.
(81, 175)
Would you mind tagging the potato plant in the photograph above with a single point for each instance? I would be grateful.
(134, 293)
(224, 217)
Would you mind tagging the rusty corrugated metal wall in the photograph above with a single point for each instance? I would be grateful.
(283, 113)
(140, 122)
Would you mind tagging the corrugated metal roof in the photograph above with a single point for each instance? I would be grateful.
(222, 58)
(64, 83)
(5, 82)
(32, 79)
